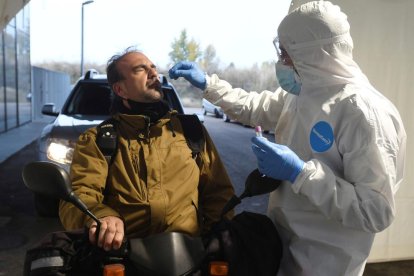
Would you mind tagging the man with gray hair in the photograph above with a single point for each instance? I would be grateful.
(155, 183)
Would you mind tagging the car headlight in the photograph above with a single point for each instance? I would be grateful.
(60, 150)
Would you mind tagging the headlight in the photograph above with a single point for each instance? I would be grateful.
(60, 150)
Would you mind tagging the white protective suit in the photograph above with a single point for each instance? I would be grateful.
(350, 136)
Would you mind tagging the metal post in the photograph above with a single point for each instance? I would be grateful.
(81, 65)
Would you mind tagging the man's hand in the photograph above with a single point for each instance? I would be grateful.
(276, 161)
(191, 72)
(110, 235)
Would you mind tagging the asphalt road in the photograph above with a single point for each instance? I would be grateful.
(20, 228)
(232, 141)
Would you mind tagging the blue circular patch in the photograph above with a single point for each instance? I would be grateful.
(321, 136)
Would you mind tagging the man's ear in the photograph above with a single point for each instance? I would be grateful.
(116, 87)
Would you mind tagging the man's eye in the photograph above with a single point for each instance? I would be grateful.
(144, 68)
(139, 69)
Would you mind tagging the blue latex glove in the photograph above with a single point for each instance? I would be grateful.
(276, 161)
(191, 72)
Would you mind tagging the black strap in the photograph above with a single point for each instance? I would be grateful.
(193, 132)
(107, 139)
(107, 136)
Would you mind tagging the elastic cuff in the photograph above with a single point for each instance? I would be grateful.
(302, 176)
(295, 174)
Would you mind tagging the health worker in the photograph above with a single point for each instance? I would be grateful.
(340, 144)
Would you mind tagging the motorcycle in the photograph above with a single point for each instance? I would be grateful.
(169, 253)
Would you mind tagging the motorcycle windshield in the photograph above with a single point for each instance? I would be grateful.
(167, 253)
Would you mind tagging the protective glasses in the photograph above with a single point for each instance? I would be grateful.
(281, 53)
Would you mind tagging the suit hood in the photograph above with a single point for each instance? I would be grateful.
(317, 37)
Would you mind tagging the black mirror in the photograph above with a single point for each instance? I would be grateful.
(50, 179)
(49, 109)
(256, 184)
(47, 179)
(259, 184)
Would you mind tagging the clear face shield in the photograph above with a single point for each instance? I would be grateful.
(282, 55)
(277, 47)
(286, 73)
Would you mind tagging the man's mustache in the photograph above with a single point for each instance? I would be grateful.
(155, 84)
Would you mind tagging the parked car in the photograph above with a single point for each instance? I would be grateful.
(208, 107)
(86, 106)
(226, 118)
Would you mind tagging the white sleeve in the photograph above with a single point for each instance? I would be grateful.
(250, 108)
(355, 205)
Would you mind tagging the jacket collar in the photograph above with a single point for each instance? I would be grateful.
(141, 122)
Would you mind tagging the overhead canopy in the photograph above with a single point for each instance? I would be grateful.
(382, 31)
(8, 9)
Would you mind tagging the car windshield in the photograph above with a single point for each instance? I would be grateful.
(171, 97)
(90, 99)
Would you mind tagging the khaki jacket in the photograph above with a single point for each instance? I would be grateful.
(154, 184)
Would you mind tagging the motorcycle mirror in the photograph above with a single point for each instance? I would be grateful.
(50, 179)
(256, 184)
(259, 184)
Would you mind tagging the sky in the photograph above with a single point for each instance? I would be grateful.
(241, 31)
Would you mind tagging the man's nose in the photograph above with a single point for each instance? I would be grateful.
(152, 72)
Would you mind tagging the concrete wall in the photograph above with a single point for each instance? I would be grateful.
(48, 87)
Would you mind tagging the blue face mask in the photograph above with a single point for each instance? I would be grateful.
(288, 78)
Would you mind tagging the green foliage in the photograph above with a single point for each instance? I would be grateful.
(184, 49)
(256, 78)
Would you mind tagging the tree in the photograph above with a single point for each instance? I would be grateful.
(252, 79)
(183, 49)
(210, 63)
(268, 80)
(256, 78)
